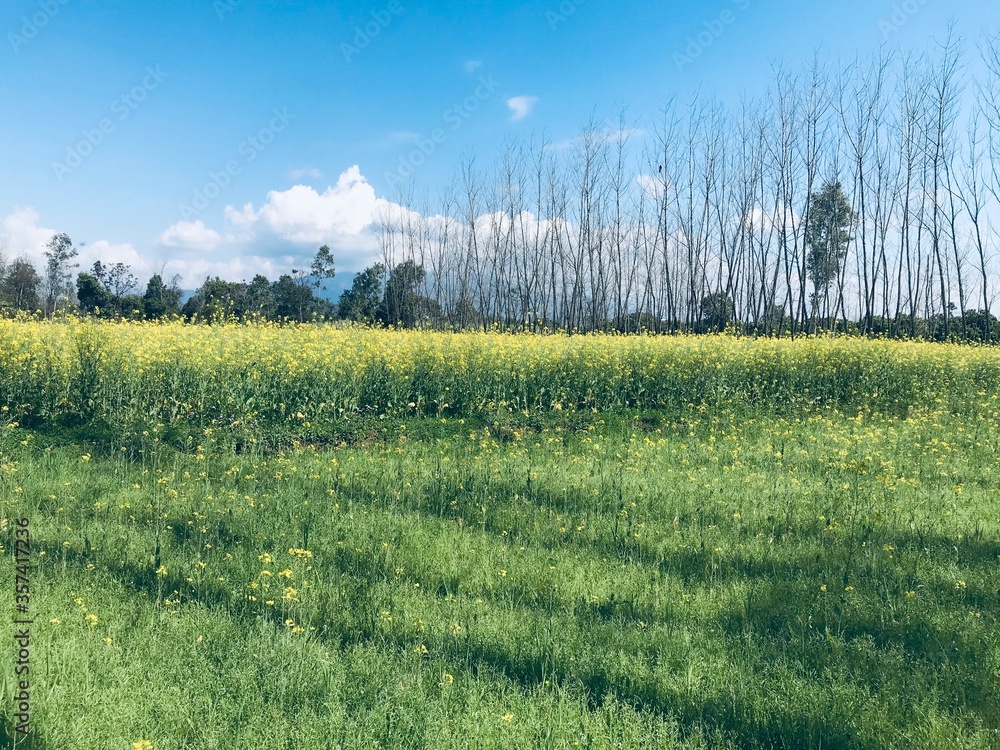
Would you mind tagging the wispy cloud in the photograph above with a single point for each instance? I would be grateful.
(521, 106)
(608, 135)
(404, 136)
(298, 174)
(471, 66)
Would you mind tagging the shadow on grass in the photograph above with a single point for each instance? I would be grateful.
(10, 739)
(931, 657)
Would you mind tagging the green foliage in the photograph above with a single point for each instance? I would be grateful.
(19, 286)
(322, 268)
(159, 300)
(828, 235)
(360, 303)
(93, 296)
(59, 254)
(698, 579)
(717, 312)
(403, 306)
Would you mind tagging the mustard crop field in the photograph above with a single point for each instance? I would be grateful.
(318, 537)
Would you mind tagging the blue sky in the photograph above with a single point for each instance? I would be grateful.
(236, 136)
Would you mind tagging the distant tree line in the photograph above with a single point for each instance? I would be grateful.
(863, 200)
(377, 296)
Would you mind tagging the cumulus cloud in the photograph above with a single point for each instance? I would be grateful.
(111, 252)
(22, 234)
(191, 235)
(521, 106)
(271, 238)
(302, 215)
(284, 232)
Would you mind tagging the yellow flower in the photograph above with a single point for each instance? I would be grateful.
(91, 619)
(508, 718)
(142, 745)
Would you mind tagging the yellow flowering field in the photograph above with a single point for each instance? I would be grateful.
(496, 541)
(132, 375)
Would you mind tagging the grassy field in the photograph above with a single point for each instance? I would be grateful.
(296, 538)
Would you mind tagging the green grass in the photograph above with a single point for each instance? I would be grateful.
(697, 579)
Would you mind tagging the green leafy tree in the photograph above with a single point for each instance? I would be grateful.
(159, 300)
(131, 307)
(92, 296)
(260, 298)
(217, 300)
(59, 254)
(120, 280)
(831, 228)
(717, 311)
(19, 287)
(360, 303)
(322, 268)
(292, 300)
(401, 303)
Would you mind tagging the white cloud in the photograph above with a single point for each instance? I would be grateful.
(109, 252)
(599, 137)
(283, 233)
(271, 238)
(406, 136)
(22, 234)
(312, 172)
(521, 106)
(191, 235)
(471, 66)
(651, 185)
(302, 216)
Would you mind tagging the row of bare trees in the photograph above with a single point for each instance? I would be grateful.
(864, 196)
